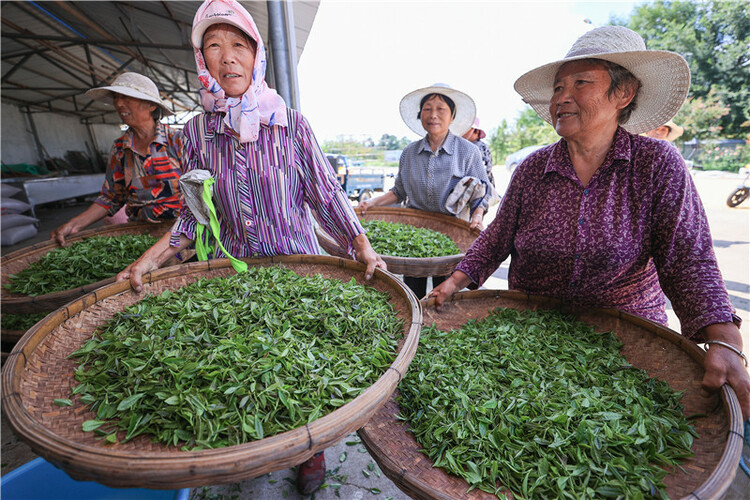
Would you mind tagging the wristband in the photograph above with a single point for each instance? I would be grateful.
(730, 347)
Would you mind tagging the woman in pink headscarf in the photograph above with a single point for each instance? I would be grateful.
(265, 161)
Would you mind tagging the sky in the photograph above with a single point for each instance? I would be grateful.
(362, 57)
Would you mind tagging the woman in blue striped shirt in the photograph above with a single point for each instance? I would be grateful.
(431, 167)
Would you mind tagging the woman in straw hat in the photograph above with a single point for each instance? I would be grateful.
(475, 135)
(669, 132)
(430, 168)
(265, 162)
(144, 165)
(606, 217)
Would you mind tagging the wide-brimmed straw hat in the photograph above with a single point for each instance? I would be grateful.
(465, 109)
(133, 85)
(675, 131)
(664, 76)
(482, 134)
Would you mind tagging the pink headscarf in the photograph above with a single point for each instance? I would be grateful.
(260, 103)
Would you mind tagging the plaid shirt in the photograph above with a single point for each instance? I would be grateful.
(154, 191)
(426, 178)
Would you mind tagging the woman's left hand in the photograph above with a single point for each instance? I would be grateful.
(476, 222)
(366, 255)
(724, 366)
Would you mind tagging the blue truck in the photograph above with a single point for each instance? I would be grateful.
(359, 182)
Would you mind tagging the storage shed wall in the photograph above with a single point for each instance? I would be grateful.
(57, 133)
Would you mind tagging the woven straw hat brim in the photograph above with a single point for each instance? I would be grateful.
(466, 110)
(664, 76)
(104, 94)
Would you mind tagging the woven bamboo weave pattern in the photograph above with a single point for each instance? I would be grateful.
(38, 371)
(664, 354)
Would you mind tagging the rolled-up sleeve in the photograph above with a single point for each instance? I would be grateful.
(322, 190)
(683, 250)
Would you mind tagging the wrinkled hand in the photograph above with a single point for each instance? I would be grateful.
(371, 259)
(61, 232)
(364, 206)
(444, 291)
(722, 366)
(476, 222)
(135, 271)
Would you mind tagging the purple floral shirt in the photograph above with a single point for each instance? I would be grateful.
(638, 228)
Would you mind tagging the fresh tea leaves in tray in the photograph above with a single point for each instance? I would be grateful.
(83, 262)
(21, 321)
(544, 406)
(402, 240)
(226, 361)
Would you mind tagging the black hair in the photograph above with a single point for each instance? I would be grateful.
(157, 113)
(447, 100)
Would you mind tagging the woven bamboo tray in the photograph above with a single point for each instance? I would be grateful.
(457, 229)
(19, 260)
(37, 372)
(660, 351)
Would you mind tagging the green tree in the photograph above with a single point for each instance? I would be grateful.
(528, 130)
(714, 38)
(391, 142)
(701, 117)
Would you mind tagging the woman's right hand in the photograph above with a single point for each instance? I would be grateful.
(445, 290)
(151, 260)
(364, 205)
(135, 271)
(61, 232)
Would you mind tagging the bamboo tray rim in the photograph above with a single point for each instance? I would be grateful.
(63, 452)
(86, 233)
(712, 488)
(421, 266)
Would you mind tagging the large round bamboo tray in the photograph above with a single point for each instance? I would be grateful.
(660, 351)
(37, 371)
(457, 229)
(19, 260)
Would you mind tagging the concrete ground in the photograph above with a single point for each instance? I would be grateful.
(352, 472)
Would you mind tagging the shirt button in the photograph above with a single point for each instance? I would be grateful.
(578, 256)
(580, 221)
(585, 191)
(248, 223)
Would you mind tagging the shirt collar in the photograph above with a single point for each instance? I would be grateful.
(160, 136)
(619, 153)
(448, 145)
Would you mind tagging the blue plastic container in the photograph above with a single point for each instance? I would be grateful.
(40, 480)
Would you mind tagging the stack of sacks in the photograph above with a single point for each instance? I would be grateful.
(14, 226)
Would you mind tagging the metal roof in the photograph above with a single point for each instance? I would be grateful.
(53, 52)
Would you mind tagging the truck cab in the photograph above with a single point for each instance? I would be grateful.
(358, 182)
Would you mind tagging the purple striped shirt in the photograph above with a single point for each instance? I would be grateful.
(638, 228)
(262, 188)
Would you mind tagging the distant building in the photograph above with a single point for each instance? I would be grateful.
(393, 155)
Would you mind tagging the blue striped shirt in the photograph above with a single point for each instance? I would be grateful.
(426, 178)
(263, 188)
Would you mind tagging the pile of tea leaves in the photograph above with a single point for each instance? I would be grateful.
(543, 406)
(20, 321)
(81, 263)
(226, 361)
(402, 240)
